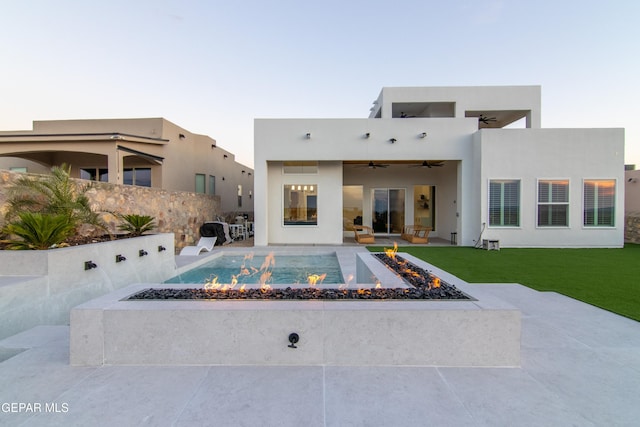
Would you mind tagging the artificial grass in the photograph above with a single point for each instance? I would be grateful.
(606, 278)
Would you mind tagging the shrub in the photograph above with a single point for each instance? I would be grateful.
(38, 231)
(135, 224)
(54, 194)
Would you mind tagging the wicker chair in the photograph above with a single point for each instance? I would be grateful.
(416, 233)
(364, 234)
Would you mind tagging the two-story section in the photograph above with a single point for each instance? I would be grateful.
(473, 161)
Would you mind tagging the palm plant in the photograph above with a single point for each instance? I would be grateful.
(135, 224)
(54, 194)
(39, 231)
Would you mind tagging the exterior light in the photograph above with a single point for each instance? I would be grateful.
(423, 135)
(393, 140)
(308, 135)
(367, 135)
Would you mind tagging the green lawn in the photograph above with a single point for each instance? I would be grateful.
(606, 278)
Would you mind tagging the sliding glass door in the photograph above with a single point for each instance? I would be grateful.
(388, 210)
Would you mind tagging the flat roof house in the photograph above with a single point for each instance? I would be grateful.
(151, 152)
(442, 157)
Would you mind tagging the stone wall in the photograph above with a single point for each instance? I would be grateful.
(632, 227)
(178, 212)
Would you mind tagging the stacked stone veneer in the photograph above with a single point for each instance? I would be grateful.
(178, 212)
(632, 227)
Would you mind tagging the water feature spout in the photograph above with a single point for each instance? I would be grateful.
(120, 258)
(88, 265)
(142, 252)
(161, 248)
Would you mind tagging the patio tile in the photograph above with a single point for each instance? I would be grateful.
(388, 396)
(127, 396)
(257, 396)
(602, 390)
(509, 397)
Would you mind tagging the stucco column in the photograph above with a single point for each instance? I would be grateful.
(114, 164)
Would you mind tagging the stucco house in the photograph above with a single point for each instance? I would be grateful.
(151, 152)
(474, 161)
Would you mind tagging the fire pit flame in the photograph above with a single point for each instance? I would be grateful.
(391, 253)
(315, 279)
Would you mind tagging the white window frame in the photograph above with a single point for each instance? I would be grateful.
(551, 203)
(303, 187)
(584, 204)
(503, 180)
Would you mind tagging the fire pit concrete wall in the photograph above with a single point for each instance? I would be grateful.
(112, 331)
(41, 287)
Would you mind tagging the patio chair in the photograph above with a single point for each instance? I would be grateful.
(204, 244)
(364, 234)
(415, 233)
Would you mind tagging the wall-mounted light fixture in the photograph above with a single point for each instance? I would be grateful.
(367, 135)
(181, 136)
(243, 172)
(213, 146)
(423, 135)
(223, 178)
(225, 156)
(308, 135)
(393, 140)
(632, 180)
(249, 173)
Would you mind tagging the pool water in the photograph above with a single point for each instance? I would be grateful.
(285, 269)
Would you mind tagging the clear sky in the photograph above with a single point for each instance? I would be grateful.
(213, 66)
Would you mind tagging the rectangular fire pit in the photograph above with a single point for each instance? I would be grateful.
(112, 331)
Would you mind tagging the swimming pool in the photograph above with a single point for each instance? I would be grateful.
(251, 269)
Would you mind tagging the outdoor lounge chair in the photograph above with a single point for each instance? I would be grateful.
(364, 234)
(415, 233)
(204, 244)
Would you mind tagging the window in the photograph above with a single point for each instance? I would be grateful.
(553, 203)
(200, 183)
(599, 203)
(212, 185)
(239, 195)
(300, 204)
(18, 169)
(299, 167)
(94, 174)
(504, 203)
(137, 176)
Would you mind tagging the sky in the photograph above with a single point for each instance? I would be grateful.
(214, 66)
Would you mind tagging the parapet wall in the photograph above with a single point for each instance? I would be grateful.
(178, 212)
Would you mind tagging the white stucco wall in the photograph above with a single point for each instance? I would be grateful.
(337, 140)
(466, 98)
(573, 154)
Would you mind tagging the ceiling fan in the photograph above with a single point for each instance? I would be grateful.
(372, 165)
(486, 120)
(404, 115)
(427, 164)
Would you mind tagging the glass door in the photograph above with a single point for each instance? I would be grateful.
(388, 210)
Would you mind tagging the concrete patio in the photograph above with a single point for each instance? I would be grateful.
(580, 366)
